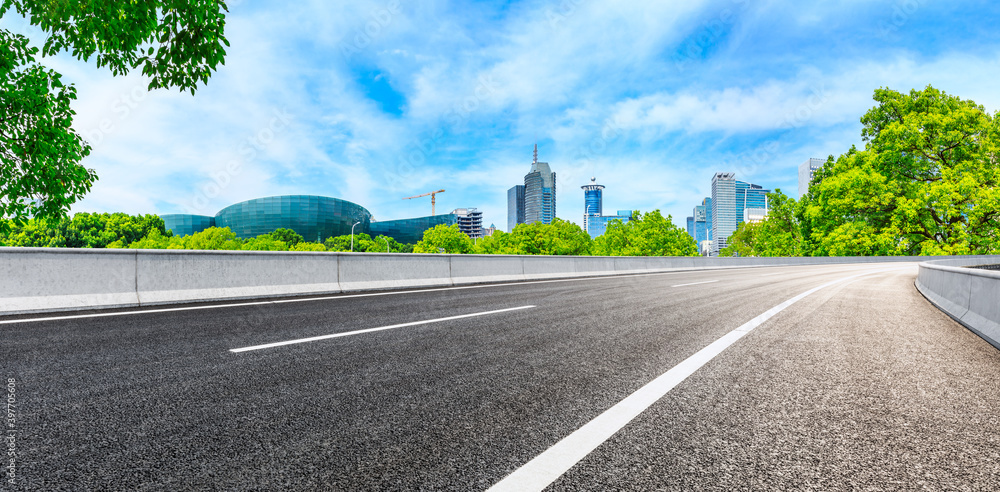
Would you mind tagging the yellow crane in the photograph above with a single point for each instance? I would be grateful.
(432, 194)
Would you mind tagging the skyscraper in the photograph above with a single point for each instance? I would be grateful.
(592, 200)
(515, 207)
(730, 198)
(806, 172)
(699, 224)
(539, 192)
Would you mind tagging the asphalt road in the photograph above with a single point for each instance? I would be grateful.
(861, 385)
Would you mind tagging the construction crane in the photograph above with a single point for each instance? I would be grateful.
(432, 194)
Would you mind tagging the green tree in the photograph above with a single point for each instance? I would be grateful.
(100, 230)
(177, 43)
(649, 234)
(779, 234)
(499, 243)
(213, 238)
(558, 238)
(36, 234)
(264, 242)
(156, 240)
(362, 243)
(307, 246)
(287, 236)
(444, 239)
(926, 182)
(386, 244)
(84, 230)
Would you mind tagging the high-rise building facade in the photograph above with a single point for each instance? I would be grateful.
(806, 172)
(515, 207)
(699, 225)
(593, 202)
(730, 198)
(470, 221)
(539, 193)
(700, 221)
(594, 220)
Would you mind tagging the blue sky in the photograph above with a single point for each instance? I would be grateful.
(373, 101)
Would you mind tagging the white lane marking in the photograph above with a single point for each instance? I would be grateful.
(333, 297)
(545, 468)
(696, 283)
(370, 330)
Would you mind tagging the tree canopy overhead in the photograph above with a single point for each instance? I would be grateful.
(177, 43)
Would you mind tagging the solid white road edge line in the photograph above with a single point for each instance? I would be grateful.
(545, 468)
(696, 283)
(370, 330)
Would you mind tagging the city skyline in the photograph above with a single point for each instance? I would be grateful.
(375, 101)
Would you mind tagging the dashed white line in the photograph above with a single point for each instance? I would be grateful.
(545, 468)
(370, 330)
(696, 283)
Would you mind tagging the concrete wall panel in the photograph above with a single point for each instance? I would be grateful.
(168, 276)
(48, 279)
(376, 271)
(472, 269)
(969, 295)
(544, 267)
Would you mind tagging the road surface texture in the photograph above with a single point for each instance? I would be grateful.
(859, 385)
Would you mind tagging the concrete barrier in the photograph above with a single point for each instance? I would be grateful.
(473, 269)
(970, 296)
(377, 271)
(171, 276)
(547, 267)
(50, 279)
(594, 265)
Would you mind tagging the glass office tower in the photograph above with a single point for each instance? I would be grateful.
(515, 207)
(539, 193)
(699, 224)
(729, 200)
(592, 201)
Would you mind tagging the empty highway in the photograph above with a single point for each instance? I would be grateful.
(820, 377)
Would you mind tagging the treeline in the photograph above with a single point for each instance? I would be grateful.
(647, 234)
(120, 230)
(926, 183)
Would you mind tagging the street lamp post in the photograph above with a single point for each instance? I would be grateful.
(386, 244)
(352, 235)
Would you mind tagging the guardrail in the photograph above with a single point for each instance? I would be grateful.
(59, 279)
(969, 295)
